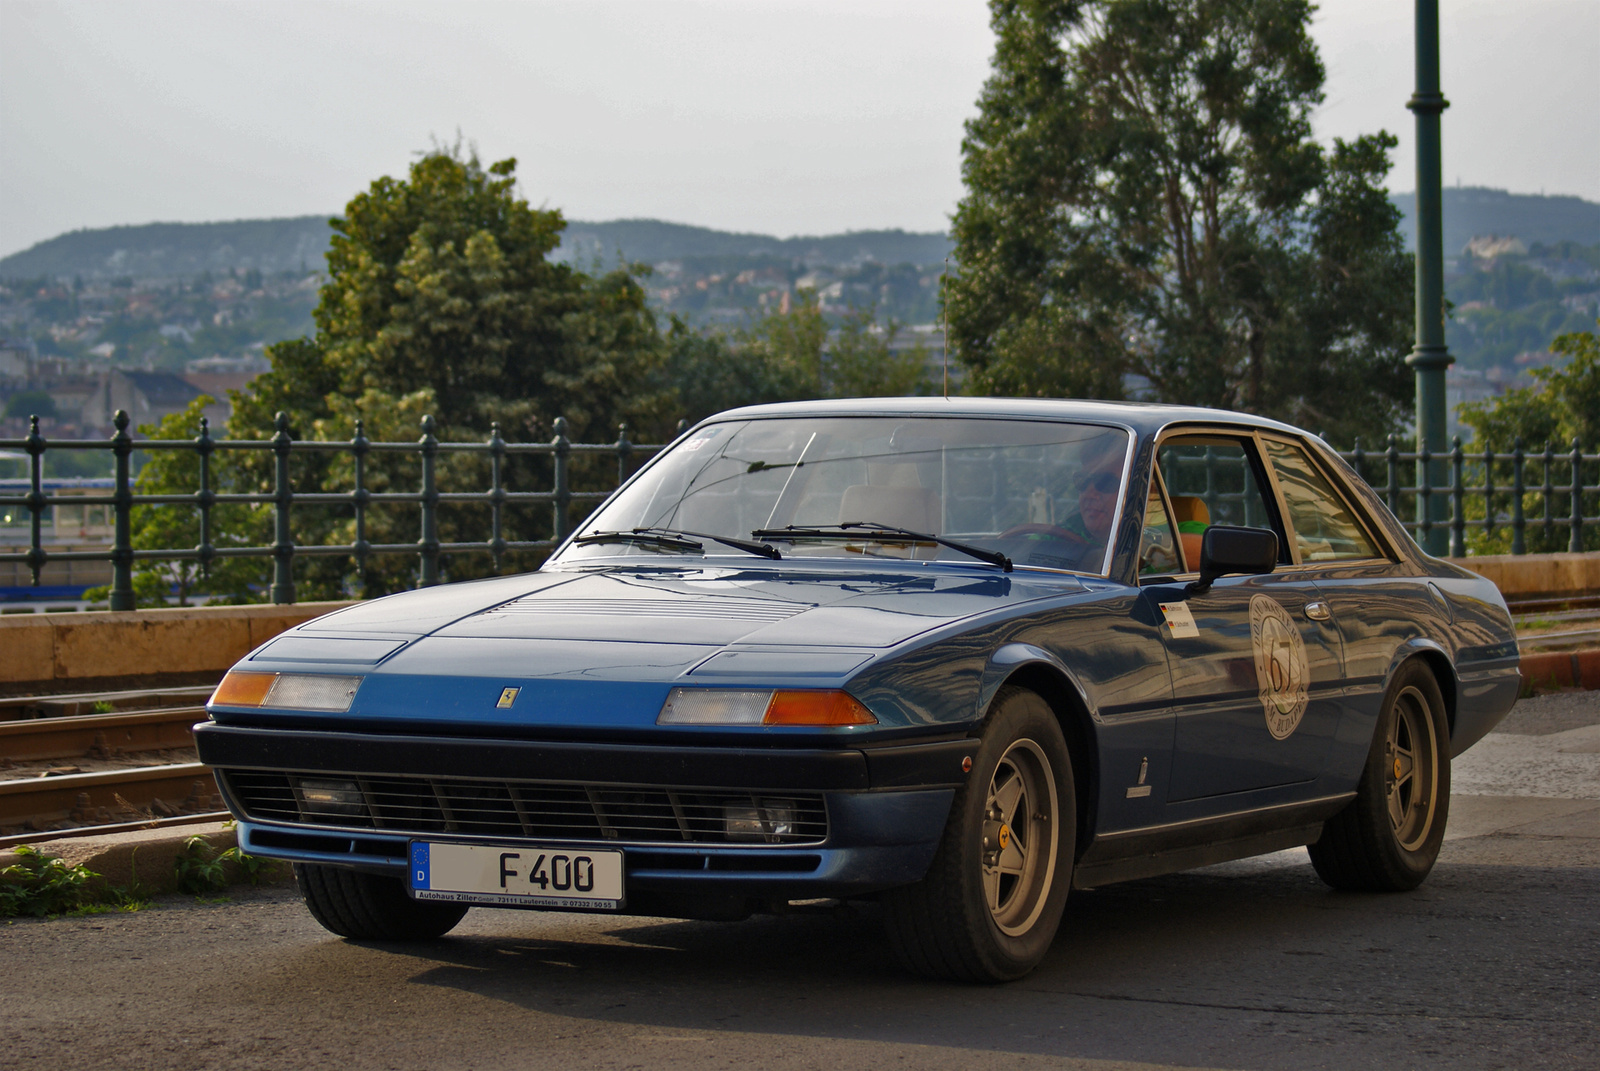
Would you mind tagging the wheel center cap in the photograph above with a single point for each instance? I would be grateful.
(1005, 837)
(1397, 769)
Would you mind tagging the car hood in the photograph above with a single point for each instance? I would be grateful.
(602, 646)
(700, 607)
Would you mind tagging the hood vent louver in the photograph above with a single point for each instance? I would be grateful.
(697, 609)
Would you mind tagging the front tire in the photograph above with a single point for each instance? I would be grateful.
(1388, 838)
(371, 907)
(990, 904)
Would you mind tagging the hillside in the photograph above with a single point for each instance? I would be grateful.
(179, 250)
(653, 241)
(174, 250)
(1473, 210)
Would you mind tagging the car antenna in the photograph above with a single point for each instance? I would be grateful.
(944, 336)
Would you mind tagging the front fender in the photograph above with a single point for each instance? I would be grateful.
(1010, 659)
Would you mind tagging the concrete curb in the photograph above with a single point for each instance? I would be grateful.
(1561, 669)
(145, 857)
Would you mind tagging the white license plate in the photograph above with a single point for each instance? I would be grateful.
(495, 874)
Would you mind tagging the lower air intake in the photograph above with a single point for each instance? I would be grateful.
(539, 810)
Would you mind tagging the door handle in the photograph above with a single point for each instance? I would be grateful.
(1317, 610)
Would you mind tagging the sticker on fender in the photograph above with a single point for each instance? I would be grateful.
(1180, 620)
(516, 876)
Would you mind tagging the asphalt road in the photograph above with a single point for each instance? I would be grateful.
(1493, 963)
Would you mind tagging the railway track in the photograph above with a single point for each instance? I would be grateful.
(1577, 606)
(139, 751)
(100, 736)
(24, 707)
(133, 799)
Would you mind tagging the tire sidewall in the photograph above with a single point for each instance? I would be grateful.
(1411, 866)
(1017, 715)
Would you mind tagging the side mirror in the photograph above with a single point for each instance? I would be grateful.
(1226, 549)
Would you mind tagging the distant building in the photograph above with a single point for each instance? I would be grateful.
(247, 365)
(147, 397)
(1489, 246)
(71, 394)
(1466, 385)
(16, 359)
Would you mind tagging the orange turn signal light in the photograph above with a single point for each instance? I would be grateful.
(243, 689)
(817, 708)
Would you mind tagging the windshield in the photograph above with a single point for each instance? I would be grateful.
(1043, 494)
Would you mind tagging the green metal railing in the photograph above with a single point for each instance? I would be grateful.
(1544, 498)
(283, 499)
(1551, 494)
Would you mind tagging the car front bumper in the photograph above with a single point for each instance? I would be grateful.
(885, 807)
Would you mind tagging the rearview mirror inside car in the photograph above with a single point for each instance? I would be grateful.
(1226, 549)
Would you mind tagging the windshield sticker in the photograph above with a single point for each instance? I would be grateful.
(1180, 620)
(701, 437)
(1281, 669)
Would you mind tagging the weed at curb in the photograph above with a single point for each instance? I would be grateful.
(200, 869)
(41, 885)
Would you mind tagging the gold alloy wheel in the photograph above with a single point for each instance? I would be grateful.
(1019, 837)
(1411, 764)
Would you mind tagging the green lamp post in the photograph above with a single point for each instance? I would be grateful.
(1430, 357)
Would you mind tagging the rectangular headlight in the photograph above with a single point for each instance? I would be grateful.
(287, 691)
(732, 706)
(713, 706)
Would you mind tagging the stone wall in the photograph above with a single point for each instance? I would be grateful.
(45, 652)
(1539, 576)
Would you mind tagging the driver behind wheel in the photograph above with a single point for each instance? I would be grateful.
(1079, 539)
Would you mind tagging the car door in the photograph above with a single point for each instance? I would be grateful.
(1376, 609)
(1256, 667)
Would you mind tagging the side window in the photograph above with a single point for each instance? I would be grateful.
(1212, 480)
(1158, 552)
(1324, 527)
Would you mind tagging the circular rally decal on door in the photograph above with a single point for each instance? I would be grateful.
(1281, 670)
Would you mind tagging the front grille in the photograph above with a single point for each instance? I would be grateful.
(539, 810)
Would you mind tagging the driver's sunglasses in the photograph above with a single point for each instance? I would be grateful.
(1103, 482)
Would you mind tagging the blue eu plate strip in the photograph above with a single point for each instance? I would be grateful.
(419, 865)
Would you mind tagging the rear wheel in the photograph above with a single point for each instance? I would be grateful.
(1387, 838)
(992, 900)
(371, 907)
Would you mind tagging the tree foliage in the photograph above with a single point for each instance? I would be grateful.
(1562, 405)
(443, 300)
(1144, 198)
(171, 526)
(443, 281)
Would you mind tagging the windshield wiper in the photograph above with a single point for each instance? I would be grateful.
(677, 540)
(886, 533)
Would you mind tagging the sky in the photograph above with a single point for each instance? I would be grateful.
(775, 116)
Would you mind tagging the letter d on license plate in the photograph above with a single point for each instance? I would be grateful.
(532, 877)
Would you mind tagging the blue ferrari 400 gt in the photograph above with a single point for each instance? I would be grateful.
(956, 655)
